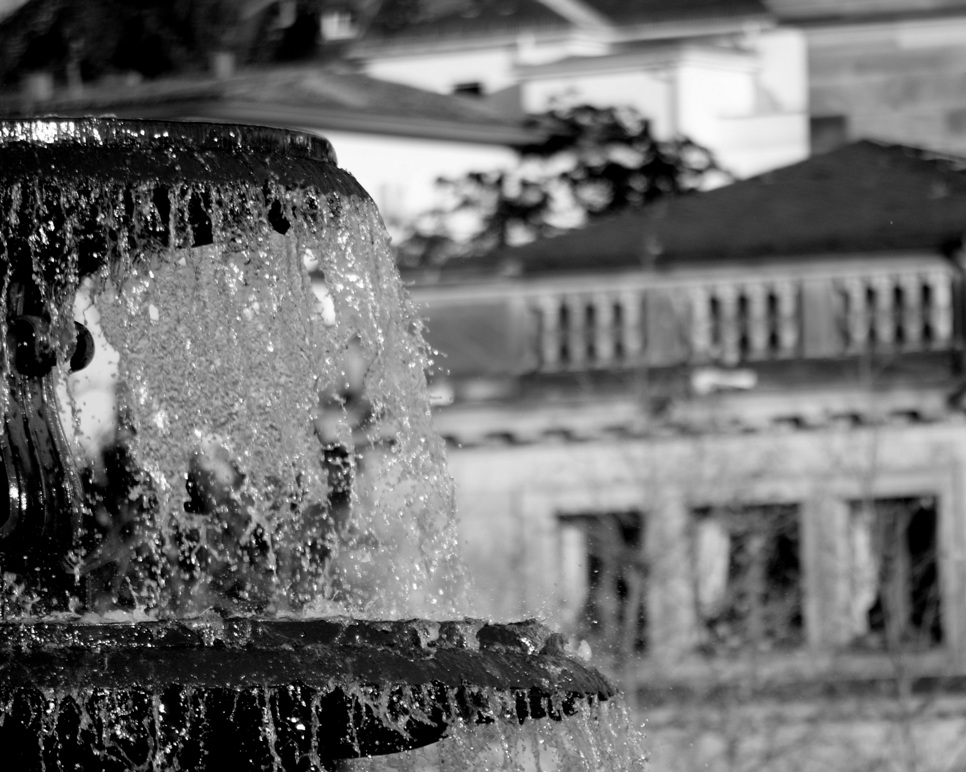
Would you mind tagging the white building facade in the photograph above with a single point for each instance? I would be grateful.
(737, 85)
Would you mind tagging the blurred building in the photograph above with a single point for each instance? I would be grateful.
(730, 423)
(757, 81)
(889, 69)
(724, 74)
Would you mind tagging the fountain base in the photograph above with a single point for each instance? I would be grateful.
(270, 694)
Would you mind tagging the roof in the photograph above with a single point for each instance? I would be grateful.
(9, 6)
(308, 96)
(423, 21)
(656, 11)
(405, 20)
(831, 11)
(864, 197)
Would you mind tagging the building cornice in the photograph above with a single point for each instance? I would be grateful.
(458, 289)
(433, 46)
(592, 419)
(655, 57)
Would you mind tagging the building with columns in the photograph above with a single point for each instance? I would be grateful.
(730, 424)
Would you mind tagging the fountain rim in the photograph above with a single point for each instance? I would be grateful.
(129, 153)
(331, 672)
(275, 652)
(105, 131)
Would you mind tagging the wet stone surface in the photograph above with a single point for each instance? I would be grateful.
(377, 686)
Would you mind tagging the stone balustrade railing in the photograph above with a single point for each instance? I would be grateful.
(908, 311)
(743, 319)
(746, 320)
(589, 330)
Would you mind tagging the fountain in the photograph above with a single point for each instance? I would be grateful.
(232, 578)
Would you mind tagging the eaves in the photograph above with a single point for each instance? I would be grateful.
(676, 29)
(430, 45)
(414, 127)
(654, 57)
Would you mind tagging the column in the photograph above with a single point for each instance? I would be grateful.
(670, 589)
(827, 571)
(573, 573)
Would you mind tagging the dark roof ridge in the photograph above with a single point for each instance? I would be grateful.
(867, 196)
(854, 17)
(437, 20)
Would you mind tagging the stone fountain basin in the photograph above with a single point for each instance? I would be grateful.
(333, 688)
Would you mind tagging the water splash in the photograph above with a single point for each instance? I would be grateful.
(239, 412)
(271, 459)
(108, 730)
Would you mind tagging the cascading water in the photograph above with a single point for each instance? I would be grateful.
(225, 566)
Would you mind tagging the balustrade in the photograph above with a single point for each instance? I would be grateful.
(907, 311)
(589, 330)
(746, 320)
(739, 321)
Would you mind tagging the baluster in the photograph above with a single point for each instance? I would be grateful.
(729, 335)
(701, 322)
(941, 307)
(604, 329)
(883, 316)
(550, 332)
(786, 295)
(912, 321)
(577, 330)
(631, 326)
(857, 321)
(757, 321)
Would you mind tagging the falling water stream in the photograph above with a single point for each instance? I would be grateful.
(266, 457)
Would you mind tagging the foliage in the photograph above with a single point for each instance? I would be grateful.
(148, 37)
(588, 163)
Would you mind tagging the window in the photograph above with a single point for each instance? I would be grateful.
(894, 577)
(612, 613)
(470, 88)
(338, 24)
(747, 576)
(956, 121)
(827, 132)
